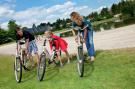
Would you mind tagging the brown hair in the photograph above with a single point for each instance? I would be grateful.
(74, 14)
(18, 28)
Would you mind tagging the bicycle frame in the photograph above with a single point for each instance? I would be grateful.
(20, 52)
(80, 38)
(45, 51)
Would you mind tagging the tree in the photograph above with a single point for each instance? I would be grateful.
(128, 8)
(105, 13)
(0, 28)
(63, 23)
(11, 27)
(114, 9)
(4, 37)
(94, 16)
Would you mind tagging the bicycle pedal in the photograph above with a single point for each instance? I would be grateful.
(25, 68)
(50, 62)
(80, 61)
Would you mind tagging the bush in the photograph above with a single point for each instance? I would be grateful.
(125, 22)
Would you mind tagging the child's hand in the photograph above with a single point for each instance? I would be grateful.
(84, 40)
(76, 40)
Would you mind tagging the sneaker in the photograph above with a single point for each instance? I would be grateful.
(61, 64)
(68, 61)
(92, 59)
(57, 62)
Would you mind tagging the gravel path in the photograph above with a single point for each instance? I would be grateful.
(123, 37)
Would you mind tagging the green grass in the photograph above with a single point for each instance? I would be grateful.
(111, 70)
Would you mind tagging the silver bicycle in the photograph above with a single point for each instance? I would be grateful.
(80, 54)
(46, 59)
(20, 61)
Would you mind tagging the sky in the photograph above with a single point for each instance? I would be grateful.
(27, 12)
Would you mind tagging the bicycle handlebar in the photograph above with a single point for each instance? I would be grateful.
(21, 43)
(44, 43)
(79, 28)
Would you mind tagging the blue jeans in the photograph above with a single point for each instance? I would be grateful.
(89, 43)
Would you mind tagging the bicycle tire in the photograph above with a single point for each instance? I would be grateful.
(80, 63)
(41, 67)
(18, 76)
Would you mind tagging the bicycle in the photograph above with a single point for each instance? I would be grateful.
(80, 55)
(20, 61)
(44, 58)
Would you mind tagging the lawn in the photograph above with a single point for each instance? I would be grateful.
(114, 69)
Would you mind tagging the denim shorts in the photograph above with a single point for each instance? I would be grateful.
(32, 47)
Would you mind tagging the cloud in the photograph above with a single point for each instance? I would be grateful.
(42, 14)
(5, 11)
(4, 25)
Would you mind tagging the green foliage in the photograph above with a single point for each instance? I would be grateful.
(4, 37)
(11, 27)
(105, 13)
(94, 16)
(8, 35)
(114, 9)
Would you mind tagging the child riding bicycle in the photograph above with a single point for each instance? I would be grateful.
(59, 43)
(79, 21)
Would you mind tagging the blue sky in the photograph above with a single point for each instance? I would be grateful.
(27, 12)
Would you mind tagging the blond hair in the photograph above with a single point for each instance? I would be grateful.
(48, 32)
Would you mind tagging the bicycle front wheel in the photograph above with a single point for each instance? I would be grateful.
(18, 69)
(80, 63)
(41, 67)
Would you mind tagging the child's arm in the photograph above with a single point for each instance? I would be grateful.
(85, 34)
(86, 25)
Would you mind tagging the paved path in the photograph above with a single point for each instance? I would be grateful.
(123, 37)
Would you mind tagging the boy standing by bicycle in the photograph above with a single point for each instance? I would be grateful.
(29, 43)
(79, 21)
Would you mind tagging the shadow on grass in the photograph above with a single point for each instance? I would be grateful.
(28, 75)
(88, 69)
(51, 72)
(89, 66)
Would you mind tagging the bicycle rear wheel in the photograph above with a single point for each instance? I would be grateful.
(18, 69)
(80, 63)
(41, 67)
(26, 62)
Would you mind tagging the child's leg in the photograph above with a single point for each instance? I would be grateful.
(37, 57)
(35, 49)
(68, 56)
(29, 56)
(59, 58)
